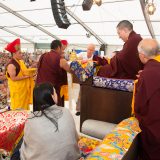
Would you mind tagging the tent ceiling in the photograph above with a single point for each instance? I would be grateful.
(101, 20)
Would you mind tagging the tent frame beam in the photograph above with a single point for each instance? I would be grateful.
(84, 25)
(27, 20)
(17, 35)
(147, 19)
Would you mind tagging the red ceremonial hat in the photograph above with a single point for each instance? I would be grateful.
(64, 42)
(13, 46)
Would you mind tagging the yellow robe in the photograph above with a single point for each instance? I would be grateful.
(157, 58)
(21, 92)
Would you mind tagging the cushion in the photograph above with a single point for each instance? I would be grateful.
(112, 83)
(117, 143)
(89, 127)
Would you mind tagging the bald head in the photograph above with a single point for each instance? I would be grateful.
(91, 46)
(148, 47)
(90, 50)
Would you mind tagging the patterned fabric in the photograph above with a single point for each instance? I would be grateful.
(83, 71)
(117, 84)
(116, 144)
(86, 145)
(11, 129)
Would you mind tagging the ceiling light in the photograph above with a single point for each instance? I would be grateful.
(150, 7)
(98, 2)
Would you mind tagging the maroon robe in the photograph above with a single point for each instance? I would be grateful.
(49, 70)
(100, 61)
(147, 110)
(126, 63)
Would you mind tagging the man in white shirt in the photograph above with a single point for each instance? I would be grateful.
(87, 55)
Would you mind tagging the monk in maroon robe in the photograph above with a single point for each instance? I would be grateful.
(52, 68)
(147, 101)
(126, 63)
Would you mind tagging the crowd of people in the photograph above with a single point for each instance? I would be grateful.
(4, 58)
(139, 58)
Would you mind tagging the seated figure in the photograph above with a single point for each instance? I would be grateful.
(50, 131)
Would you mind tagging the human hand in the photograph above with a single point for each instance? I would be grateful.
(139, 72)
(84, 61)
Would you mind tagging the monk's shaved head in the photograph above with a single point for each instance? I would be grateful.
(149, 47)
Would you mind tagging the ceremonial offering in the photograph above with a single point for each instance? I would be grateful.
(83, 70)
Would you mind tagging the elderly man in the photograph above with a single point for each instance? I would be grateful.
(147, 103)
(126, 63)
(89, 54)
(84, 56)
(20, 85)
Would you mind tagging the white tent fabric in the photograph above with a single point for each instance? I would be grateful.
(101, 19)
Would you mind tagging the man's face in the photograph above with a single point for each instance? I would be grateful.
(142, 58)
(90, 51)
(18, 55)
(63, 50)
(64, 47)
(60, 50)
(122, 33)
